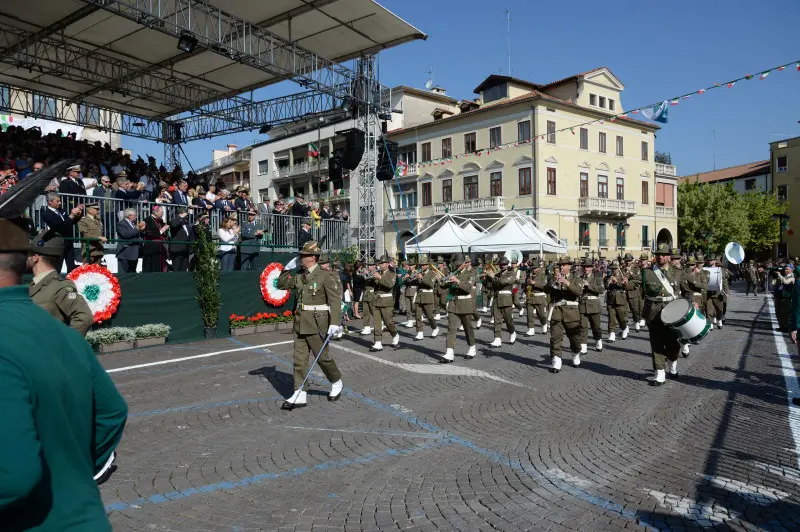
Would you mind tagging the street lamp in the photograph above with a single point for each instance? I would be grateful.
(782, 218)
(707, 236)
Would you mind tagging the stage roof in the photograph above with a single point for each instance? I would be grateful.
(82, 52)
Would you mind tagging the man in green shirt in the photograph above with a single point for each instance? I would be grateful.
(62, 415)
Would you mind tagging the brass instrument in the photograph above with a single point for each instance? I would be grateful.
(439, 273)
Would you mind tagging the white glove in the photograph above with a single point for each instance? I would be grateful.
(292, 264)
(333, 330)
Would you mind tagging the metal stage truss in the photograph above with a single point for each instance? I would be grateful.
(114, 65)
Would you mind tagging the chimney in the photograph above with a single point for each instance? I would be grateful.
(439, 90)
(231, 148)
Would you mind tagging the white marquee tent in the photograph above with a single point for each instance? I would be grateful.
(449, 237)
(515, 231)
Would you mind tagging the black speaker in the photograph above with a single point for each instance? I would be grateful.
(353, 148)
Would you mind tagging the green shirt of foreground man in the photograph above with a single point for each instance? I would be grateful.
(62, 416)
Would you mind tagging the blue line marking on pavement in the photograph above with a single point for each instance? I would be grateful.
(203, 406)
(256, 479)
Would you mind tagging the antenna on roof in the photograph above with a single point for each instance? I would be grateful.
(429, 83)
(507, 13)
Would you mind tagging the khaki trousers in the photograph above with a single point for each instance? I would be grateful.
(539, 310)
(593, 321)
(308, 345)
(384, 315)
(502, 315)
(453, 321)
(428, 311)
(557, 331)
(617, 316)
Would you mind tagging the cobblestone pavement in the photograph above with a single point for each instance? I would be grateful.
(491, 443)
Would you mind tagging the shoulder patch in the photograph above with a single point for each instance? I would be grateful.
(72, 295)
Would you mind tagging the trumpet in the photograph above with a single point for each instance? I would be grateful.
(439, 273)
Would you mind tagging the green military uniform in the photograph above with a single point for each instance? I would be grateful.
(427, 302)
(442, 290)
(411, 287)
(62, 415)
(661, 286)
(401, 272)
(589, 308)
(693, 285)
(519, 277)
(752, 279)
(460, 307)
(57, 295)
(319, 306)
(633, 291)
(644, 262)
(384, 282)
(368, 300)
(536, 298)
(715, 301)
(564, 315)
(616, 301)
(502, 284)
(91, 228)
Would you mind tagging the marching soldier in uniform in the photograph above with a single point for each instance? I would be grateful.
(318, 312)
(426, 282)
(632, 292)
(49, 290)
(91, 229)
(715, 304)
(502, 284)
(518, 279)
(616, 301)
(589, 309)
(693, 285)
(752, 278)
(460, 306)
(661, 286)
(442, 290)
(726, 289)
(368, 298)
(536, 298)
(565, 291)
(644, 262)
(411, 286)
(384, 280)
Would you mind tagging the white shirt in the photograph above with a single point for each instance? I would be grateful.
(227, 238)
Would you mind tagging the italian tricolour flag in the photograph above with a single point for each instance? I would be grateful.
(313, 151)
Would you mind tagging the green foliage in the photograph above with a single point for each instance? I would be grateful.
(346, 255)
(719, 214)
(152, 330)
(206, 278)
(110, 335)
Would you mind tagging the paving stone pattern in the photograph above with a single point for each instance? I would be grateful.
(493, 443)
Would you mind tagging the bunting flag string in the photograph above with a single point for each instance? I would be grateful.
(656, 112)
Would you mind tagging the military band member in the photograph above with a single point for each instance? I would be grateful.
(536, 297)
(318, 311)
(565, 291)
(643, 262)
(519, 278)
(661, 287)
(49, 290)
(715, 303)
(411, 286)
(633, 293)
(368, 298)
(694, 283)
(502, 284)
(426, 282)
(752, 278)
(616, 301)
(384, 280)
(460, 306)
(442, 290)
(589, 309)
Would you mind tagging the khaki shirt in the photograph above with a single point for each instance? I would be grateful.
(537, 283)
(501, 283)
(590, 299)
(61, 299)
(634, 276)
(428, 282)
(384, 288)
(568, 293)
(315, 288)
(91, 228)
(654, 288)
(461, 293)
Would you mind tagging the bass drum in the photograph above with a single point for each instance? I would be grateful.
(687, 321)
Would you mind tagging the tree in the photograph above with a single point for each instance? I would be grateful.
(663, 157)
(710, 216)
(206, 277)
(764, 231)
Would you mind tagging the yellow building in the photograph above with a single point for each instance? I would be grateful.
(583, 183)
(785, 166)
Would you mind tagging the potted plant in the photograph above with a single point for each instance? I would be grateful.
(241, 325)
(111, 339)
(265, 322)
(206, 278)
(151, 334)
(286, 321)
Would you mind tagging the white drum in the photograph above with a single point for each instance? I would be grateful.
(687, 321)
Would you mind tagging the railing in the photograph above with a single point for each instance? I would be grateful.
(477, 205)
(240, 156)
(408, 170)
(602, 242)
(299, 169)
(665, 211)
(666, 169)
(607, 206)
(401, 213)
(280, 231)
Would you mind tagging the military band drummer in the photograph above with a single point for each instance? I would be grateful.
(661, 286)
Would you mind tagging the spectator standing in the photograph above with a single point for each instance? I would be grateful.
(228, 238)
(73, 184)
(252, 231)
(182, 233)
(62, 225)
(223, 203)
(324, 211)
(304, 234)
(91, 229)
(299, 208)
(153, 251)
(181, 194)
(242, 201)
(128, 252)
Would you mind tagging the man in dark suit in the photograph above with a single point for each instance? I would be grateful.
(153, 251)
(242, 202)
(181, 232)
(305, 233)
(252, 231)
(128, 252)
(181, 196)
(128, 190)
(223, 203)
(299, 207)
(73, 183)
(63, 225)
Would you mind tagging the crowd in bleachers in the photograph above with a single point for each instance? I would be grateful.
(124, 194)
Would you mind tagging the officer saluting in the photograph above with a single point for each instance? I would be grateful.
(49, 290)
(318, 311)
(660, 287)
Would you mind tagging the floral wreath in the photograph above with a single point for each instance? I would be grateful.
(269, 285)
(99, 288)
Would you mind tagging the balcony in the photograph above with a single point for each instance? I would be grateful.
(665, 211)
(606, 207)
(241, 156)
(308, 167)
(478, 205)
(408, 170)
(666, 170)
(402, 213)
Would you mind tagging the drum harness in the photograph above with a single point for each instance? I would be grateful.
(667, 286)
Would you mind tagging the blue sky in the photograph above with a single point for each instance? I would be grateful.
(658, 49)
